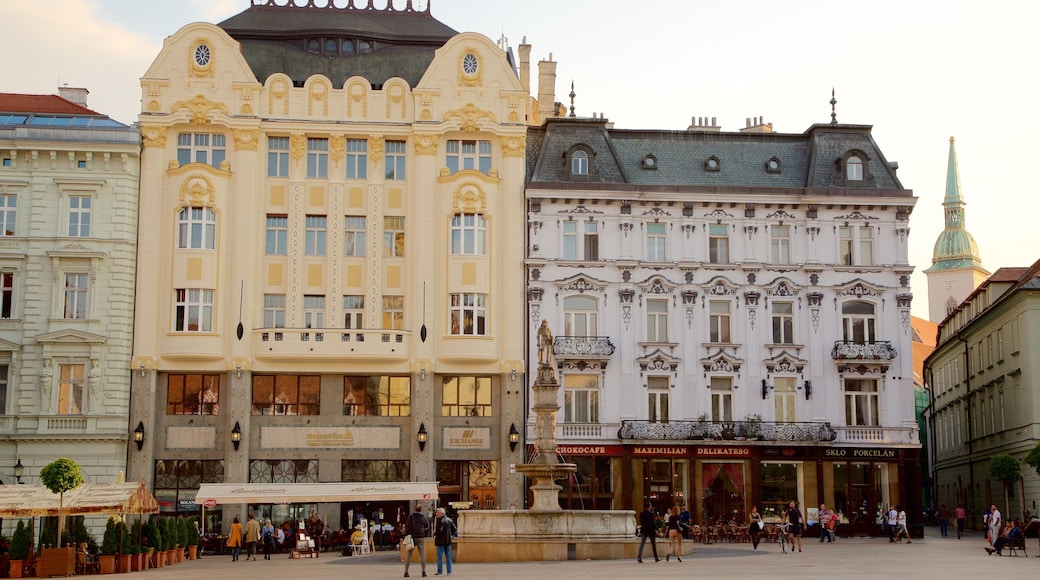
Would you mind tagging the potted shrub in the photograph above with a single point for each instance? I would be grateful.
(154, 539)
(59, 476)
(170, 537)
(123, 556)
(137, 550)
(182, 537)
(109, 547)
(20, 542)
(193, 539)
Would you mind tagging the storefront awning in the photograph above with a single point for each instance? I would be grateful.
(24, 501)
(232, 493)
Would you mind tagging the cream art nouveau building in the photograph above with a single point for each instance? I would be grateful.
(68, 238)
(331, 274)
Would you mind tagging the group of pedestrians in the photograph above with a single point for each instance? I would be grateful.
(251, 536)
(417, 526)
(676, 523)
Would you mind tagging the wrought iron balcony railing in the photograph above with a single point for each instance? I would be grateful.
(582, 347)
(878, 350)
(726, 430)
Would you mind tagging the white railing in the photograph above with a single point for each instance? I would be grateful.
(290, 343)
(872, 434)
(586, 431)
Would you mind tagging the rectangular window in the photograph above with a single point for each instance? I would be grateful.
(357, 158)
(393, 237)
(315, 235)
(393, 312)
(76, 287)
(570, 240)
(278, 157)
(395, 159)
(580, 316)
(282, 471)
(469, 235)
(70, 389)
(286, 395)
(208, 148)
(193, 310)
(277, 235)
(780, 244)
(657, 401)
(721, 399)
(353, 312)
(783, 323)
(861, 402)
(465, 396)
(856, 246)
(469, 314)
(580, 399)
(8, 213)
(313, 311)
(718, 243)
(468, 155)
(375, 470)
(274, 310)
(655, 242)
(379, 396)
(719, 322)
(3, 389)
(6, 294)
(784, 397)
(581, 247)
(866, 246)
(197, 228)
(193, 395)
(354, 228)
(79, 216)
(657, 321)
(317, 158)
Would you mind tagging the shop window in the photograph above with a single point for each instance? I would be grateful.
(590, 488)
(368, 470)
(781, 483)
(723, 492)
(382, 396)
(193, 394)
(283, 471)
(286, 395)
(463, 396)
(177, 481)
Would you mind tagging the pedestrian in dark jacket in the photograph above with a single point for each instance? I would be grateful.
(443, 532)
(417, 527)
(647, 529)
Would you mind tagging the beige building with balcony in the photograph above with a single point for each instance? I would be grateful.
(331, 275)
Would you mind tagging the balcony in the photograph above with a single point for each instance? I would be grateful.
(868, 351)
(331, 343)
(727, 430)
(877, 434)
(582, 347)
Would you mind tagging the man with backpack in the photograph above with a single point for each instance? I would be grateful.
(416, 526)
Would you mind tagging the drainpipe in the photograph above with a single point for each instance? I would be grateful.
(971, 435)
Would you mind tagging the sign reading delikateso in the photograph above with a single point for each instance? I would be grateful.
(276, 437)
(462, 438)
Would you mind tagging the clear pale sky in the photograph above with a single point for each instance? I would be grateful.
(919, 72)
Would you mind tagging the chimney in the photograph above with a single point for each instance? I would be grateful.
(547, 88)
(76, 95)
(524, 52)
(702, 125)
(756, 125)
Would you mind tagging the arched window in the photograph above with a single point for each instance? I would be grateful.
(857, 320)
(951, 305)
(580, 163)
(854, 168)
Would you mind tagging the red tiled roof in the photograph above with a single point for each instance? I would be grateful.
(46, 104)
(1007, 274)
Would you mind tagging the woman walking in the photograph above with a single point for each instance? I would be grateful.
(234, 540)
(674, 534)
(755, 526)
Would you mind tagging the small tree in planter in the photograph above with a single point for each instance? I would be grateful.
(155, 540)
(20, 542)
(1005, 468)
(193, 539)
(109, 547)
(170, 538)
(59, 476)
(125, 546)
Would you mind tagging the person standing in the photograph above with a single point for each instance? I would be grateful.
(417, 526)
(647, 519)
(252, 535)
(443, 532)
(891, 519)
(267, 537)
(943, 515)
(234, 540)
(793, 516)
(685, 521)
(672, 523)
(994, 523)
(962, 519)
(755, 526)
(901, 528)
(823, 517)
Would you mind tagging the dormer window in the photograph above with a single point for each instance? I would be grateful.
(712, 164)
(580, 163)
(649, 162)
(854, 168)
(773, 165)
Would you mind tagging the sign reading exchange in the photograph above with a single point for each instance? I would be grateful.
(463, 438)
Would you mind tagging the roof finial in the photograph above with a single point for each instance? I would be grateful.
(834, 115)
(572, 95)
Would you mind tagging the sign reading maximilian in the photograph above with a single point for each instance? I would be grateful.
(463, 438)
(275, 437)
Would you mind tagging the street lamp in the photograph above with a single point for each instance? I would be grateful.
(139, 435)
(236, 435)
(421, 436)
(514, 436)
(19, 470)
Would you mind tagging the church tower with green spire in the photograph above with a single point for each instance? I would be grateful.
(956, 267)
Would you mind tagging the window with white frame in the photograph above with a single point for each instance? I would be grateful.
(468, 234)
(79, 216)
(861, 402)
(655, 242)
(315, 235)
(193, 310)
(274, 310)
(468, 154)
(718, 243)
(721, 399)
(784, 399)
(3, 389)
(317, 158)
(469, 314)
(8, 214)
(856, 245)
(657, 399)
(354, 235)
(276, 235)
(580, 163)
(719, 322)
(581, 398)
(780, 244)
(395, 160)
(854, 168)
(197, 228)
(278, 157)
(580, 241)
(393, 237)
(393, 312)
(70, 389)
(657, 321)
(208, 148)
(313, 311)
(77, 286)
(6, 294)
(357, 159)
(857, 320)
(783, 322)
(580, 316)
(353, 312)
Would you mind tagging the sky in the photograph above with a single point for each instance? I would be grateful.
(918, 72)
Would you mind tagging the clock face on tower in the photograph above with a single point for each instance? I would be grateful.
(469, 64)
(202, 55)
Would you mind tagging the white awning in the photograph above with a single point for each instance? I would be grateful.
(235, 493)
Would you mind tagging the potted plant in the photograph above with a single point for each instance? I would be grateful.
(59, 476)
(155, 541)
(109, 547)
(124, 553)
(170, 535)
(137, 549)
(20, 542)
(193, 539)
